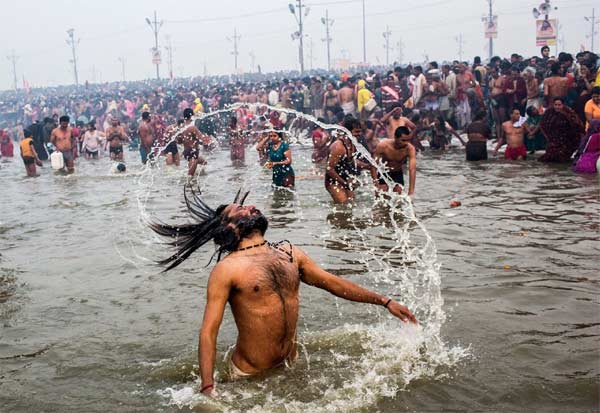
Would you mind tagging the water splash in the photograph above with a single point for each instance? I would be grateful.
(364, 362)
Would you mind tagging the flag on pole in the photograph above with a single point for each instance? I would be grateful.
(26, 85)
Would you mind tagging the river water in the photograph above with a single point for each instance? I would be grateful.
(103, 330)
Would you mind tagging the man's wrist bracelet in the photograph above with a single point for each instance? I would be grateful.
(387, 303)
(208, 386)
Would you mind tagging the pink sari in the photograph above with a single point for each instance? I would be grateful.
(588, 159)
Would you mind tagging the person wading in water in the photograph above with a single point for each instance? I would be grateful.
(260, 281)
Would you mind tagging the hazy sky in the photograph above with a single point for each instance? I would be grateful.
(109, 29)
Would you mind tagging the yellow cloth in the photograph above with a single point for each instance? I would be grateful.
(198, 108)
(363, 95)
(591, 109)
(26, 148)
(597, 79)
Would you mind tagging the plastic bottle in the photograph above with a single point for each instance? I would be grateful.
(57, 161)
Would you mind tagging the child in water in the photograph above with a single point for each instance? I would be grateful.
(28, 154)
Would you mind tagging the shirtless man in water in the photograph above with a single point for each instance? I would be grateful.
(394, 153)
(331, 99)
(260, 281)
(171, 151)
(146, 132)
(555, 86)
(514, 137)
(394, 119)
(116, 135)
(347, 97)
(191, 138)
(62, 138)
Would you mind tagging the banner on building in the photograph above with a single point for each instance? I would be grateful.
(545, 32)
(490, 27)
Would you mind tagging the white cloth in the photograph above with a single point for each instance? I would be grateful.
(420, 83)
(463, 113)
(349, 108)
(91, 141)
(273, 98)
(535, 102)
(451, 83)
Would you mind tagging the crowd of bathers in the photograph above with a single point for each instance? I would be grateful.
(541, 103)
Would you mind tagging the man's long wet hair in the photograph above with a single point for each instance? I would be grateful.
(210, 225)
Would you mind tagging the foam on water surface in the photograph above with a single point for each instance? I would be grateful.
(351, 368)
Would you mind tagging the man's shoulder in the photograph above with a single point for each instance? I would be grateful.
(297, 251)
(226, 267)
(383, 144)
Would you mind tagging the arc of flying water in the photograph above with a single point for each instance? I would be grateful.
(406, 202)
(428, 346)
(404, 207)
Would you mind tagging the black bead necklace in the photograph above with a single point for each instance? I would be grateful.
(252, 246)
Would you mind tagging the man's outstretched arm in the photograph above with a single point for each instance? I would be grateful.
(314, 275)
(217, 294)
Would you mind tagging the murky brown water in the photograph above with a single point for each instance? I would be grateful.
(519, 272)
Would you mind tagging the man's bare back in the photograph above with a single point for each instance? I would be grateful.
(146, 133)
(556, 87)
(346, 95)
(191, 137)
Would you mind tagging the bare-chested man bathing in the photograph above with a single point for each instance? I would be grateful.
(62, 138)
(394, 119)
(514, 137)
(260, 281)
(191, 138)
(394, 153)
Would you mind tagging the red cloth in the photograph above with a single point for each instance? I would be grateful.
(563, 130)
(275, 121)
(7, 149)
(514, 153)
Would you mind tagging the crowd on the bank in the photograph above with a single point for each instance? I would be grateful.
(540, 103)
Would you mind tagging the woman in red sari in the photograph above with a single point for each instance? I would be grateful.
(563, 130)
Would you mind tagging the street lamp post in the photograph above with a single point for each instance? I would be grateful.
(300, 33)
(155, 26)
(72, 42)
(328, 23)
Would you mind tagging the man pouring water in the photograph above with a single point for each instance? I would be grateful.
(260, 280)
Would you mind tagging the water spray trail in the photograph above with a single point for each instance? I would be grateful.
(407, 353)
